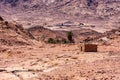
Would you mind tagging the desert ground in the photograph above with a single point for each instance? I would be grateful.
(59, 62)
(23, 56)
(41, 39)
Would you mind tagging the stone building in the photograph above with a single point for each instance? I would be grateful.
(86, 47)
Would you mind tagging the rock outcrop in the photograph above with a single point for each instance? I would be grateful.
(12, 33)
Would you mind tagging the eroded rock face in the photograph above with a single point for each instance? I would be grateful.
(43, 11)
(97, 6)
(13, 33)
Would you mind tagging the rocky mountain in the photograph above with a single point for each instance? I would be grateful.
(79, 6)
(32, 12)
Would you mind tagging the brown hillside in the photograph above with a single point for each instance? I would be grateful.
(13, 34)
(82, 35)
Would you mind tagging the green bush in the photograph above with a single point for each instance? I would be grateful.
(57, 41)
(64, 41)
(69, 36)
(51, 40)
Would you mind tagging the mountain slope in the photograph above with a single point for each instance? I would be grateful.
(97, 6)
(47, 11)
(13, 34)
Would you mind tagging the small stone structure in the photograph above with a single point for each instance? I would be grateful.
(86, 47)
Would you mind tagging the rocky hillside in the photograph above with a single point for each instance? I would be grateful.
(100, 13)
(12, 33)
(99, 7)
(82, 35)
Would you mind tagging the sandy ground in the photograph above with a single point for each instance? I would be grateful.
(59, 62)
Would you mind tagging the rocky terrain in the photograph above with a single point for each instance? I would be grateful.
(58, 62)
(51, 12)
(24, 55)
(35, 39)
(13, 34)
(80, 35)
